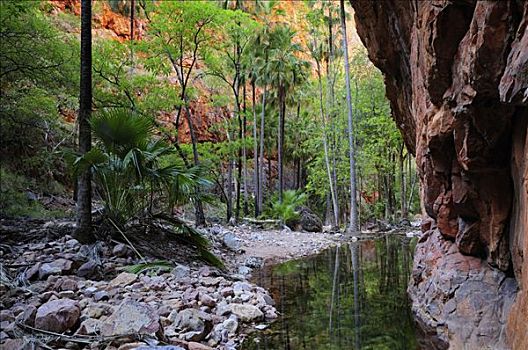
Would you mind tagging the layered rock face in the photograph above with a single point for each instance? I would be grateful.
(457, 78)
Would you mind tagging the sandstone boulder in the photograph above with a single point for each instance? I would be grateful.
(309, 221)
(57, 315)
(131, 317)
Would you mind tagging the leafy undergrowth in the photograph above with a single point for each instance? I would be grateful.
(18, 200)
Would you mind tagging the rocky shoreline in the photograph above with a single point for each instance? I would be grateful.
(57, 293)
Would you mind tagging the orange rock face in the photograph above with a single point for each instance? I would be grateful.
(457, 77)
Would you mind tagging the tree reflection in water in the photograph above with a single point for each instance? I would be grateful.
(352, 297)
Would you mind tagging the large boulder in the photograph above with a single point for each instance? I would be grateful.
(131, 317)
(57, 315)
(309, 221)
(195, 323)
(231, 241)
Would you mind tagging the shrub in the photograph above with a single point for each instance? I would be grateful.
(286, 211)
(136, 183)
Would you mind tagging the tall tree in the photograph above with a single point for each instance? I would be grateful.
(228, 62)
(316, 50)
(84, 183)
(286, 70)
(181, 31)
(353, 225)
(260, 54)
(256, 163)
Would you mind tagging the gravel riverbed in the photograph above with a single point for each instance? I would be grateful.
(56, 293)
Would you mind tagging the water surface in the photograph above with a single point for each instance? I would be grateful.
(349, 297)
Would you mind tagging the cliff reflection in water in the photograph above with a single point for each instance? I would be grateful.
(350, 297)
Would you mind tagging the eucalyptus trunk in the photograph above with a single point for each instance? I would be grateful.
(198, 207)
(325, 147)
(83, 231)
(333, 152)
(353, 227)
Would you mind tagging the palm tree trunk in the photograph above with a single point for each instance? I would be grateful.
(281, 140)
(353, 227)
(261, 162)
(244, 151)
(239, 159)
(256, 167)
(83, 232)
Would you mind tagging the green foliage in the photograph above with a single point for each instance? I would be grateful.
(121, 82)
(129, 170)
(136, 180)
(176, 29)
(38, 78)
(286, 211)
(16, 199)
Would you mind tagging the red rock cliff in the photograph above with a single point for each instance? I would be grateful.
(457, 77)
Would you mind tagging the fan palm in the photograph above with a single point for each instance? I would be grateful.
(128, 167)
(131, 173)
(286, 71)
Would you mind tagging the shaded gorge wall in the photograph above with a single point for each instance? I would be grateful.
(456, 73)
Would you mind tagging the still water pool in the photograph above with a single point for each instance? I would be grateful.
(348, 297)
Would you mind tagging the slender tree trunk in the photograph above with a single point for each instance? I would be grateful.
(353, 227)
(325, 146)
(229, 204)
(244, 151)
(329, 210)
(403, 196)
(331, 139)
(256, 165)
(132, 14)
(84, 232)
(198, 207)
(261, 162)
(298, 159)
(229, 189)
(412, 183)
(270, 178)
(239, 158)
(392, 184)
(282, 108)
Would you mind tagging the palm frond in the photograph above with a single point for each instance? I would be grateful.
(120, 130)
(160, 265)
(211, 259)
